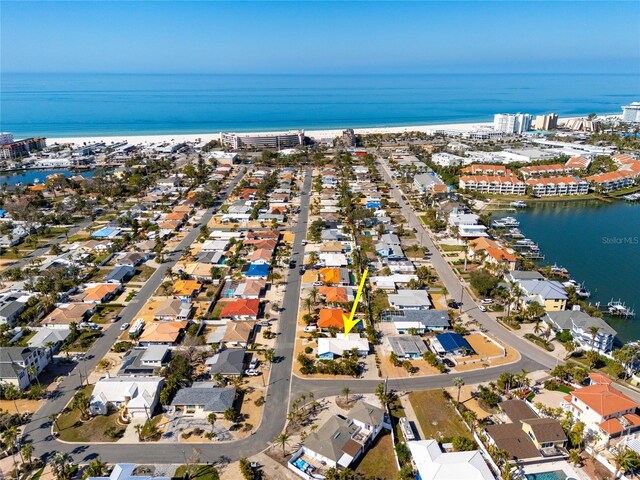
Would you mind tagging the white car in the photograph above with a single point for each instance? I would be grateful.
(124, 326)
(254, 364)
(317, 284)
(482, 308)
(310, 328)
(251, 372)
(486, 301)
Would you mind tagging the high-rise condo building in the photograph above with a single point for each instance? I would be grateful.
(546, 122)
(631, 113)
(511, 123)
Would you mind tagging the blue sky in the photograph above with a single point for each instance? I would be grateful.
(305, 37)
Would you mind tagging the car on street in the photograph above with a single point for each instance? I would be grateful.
(292, 264)
(251, 372)
(310, 328)
(482, 308)
(124, 326)
(301, 271)
(453, 305)
(304, 242)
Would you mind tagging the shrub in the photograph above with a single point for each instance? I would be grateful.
(246, 470)
(122, 347)
(259, 401)
(308, 350)
(463, 444)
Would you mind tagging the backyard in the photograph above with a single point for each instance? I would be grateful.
(379, 461)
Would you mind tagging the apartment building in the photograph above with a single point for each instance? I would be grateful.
(493, 184)
(555, 186)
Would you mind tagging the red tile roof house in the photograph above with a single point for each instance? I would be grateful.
(604, 410)
(241, 309)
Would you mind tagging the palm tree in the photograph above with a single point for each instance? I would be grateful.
(570, 347)
(10, 435)
(54, 419)
(61, 465)
(622, 459)
(211, 418)
(535, 310)
(282, 440)
(27, 452)
(138, 429)
(96, 468)
(537, 327)
(346, 391)
(458, 382)
(313, 295)
(574, 457)
(33, 373)
(307, 303)
(81, 403)
(269, 355)
(470, 417)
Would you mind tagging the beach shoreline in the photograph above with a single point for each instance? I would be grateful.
(318, 134)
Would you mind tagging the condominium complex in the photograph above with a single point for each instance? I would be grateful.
(493, 184)
(271, 140)
(21, 148)
(631, 113)
(544, 187)
(6, 138)
(546, 122)
(512, 123)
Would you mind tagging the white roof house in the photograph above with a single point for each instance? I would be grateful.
(434, 464)
(124, 471)
(214, 246)
(138, 395)
(331, 347)
(410, 300)
(389, 282)
(333, 259)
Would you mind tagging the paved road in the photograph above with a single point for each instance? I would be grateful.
(38, 430)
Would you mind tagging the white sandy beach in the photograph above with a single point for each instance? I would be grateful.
(206, 137)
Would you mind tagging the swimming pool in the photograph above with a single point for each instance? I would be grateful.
(554, 475)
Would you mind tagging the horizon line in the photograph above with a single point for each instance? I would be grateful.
(312, 73)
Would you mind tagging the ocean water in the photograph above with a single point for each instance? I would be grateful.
(92, 104)
(599, 243)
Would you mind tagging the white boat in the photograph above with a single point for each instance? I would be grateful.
(617, 308)
(509, 222)
(518, 204)
(580, 290)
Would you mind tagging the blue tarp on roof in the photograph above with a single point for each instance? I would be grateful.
(257, 271)
(452, 341)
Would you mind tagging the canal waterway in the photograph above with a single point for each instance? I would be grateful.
(599, 243)
(31, 176)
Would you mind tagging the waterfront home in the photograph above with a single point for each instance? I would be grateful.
(526, 435)
(406, 346)
(144, 362)
(604, 410)
(126, 471)
(332, 347)
(410, 300)
(579, 324)
(557, 186)
(548, 293)
(494, 185)
(342, 440)
(203, 398)
(21, 365)
(518, 275)
(138, 395)
(434, 464)
(489, 251)
(67, 313)
(467, 225)
(420, 321)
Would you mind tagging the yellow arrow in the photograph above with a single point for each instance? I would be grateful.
(349, 322)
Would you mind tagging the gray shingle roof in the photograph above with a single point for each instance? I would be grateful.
(227, 362)
(212, 399)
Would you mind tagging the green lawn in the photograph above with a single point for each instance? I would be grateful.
(84, 341)
(73, 429)
(379, 460)
(451, 248)
(203, 472)
(436, 415)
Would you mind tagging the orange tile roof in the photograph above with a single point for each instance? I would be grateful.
(169, 224)
(604, 399)
(241, 307)
(483, 168)
(482, 243)
(623, 158)
(98, 292)
(599, 378)
(162, 332)
(37, 188)
(501, 255)
(334, 294)
(553, 181)
(330, 275)
(331, 317)
(261, 254)
(186, 287)
(577, 162)
(542, 168)
(175, 216)
(614, 425)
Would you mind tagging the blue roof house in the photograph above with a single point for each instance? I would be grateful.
(451, 343)
(257, 271)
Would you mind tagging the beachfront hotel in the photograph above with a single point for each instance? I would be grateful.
(631, 113)
(546, 122)
(512, 123)
(275, 140)
(21, 148)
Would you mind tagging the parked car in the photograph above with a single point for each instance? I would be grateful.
(453, 305)
(310, 328)
(292, 264)
(482, 308)
(448, 363)
(251, 372)
(301, 271)
(304, 242)
(124, 326)
(264, 323)
(317, 284)
(486, 301)
(254, 364)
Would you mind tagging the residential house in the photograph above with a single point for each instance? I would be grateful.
(260, 256)
(256, 270)
(138, 395)
(406, 346)
(579, 324)
(331, 318)
(120, 274)
(228, 362)
(250, 289)
(173, 309)
(144, 362)
(420, 321)
(337, 294)
(203, 398)
(450, 343)
(49, 338)
(434, 464)
(331, 347)
(427, 182)
(238, 333)
(548, 293)
(557, 186)
(186, 288)
(604, 410)
(241, 309)
(100, 292)
(162, 333)
(125, 471)
(133, 259)
(342, 440)
(68, 313)
(467, 225)
(410, 300)
(21, 365)
(335, 276)
(11, 306)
